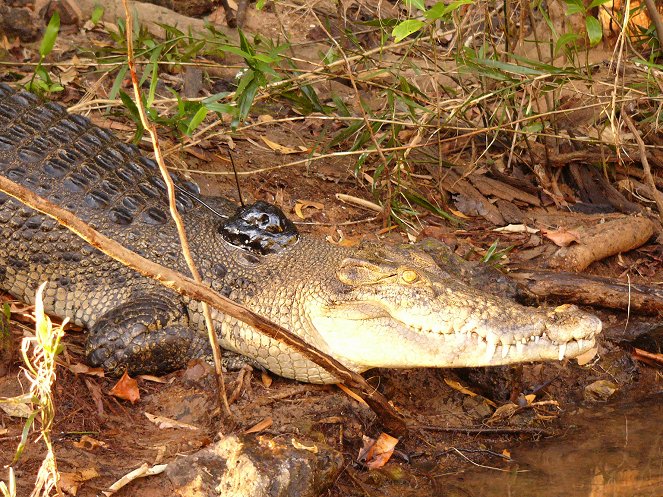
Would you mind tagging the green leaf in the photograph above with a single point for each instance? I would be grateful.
(133, 112)
(594, 30)
(596, 3)
(574, 7)
(50, 35)
(244, 43)
(441, 10)
(154, 59)
(117, 84)
(197, 118)
(564, 40)
(510, 68)
(406, 28)
(416, 198)
(260, 4)
(97, 14)
(235, 51)
(420, 4)
(219, 108)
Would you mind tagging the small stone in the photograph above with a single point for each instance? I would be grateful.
(600, 391)
(250, 466)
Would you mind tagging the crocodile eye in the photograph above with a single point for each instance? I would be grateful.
(409, 276)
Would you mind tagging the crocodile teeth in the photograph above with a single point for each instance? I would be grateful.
(491, 347)
(520, 348)
(505, 350)
(562, 351)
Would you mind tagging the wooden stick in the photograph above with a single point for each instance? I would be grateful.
(184, 243)
(591, 290)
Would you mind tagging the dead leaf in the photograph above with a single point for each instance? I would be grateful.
(95, 391)
(503, 413)
(516, 228)
(375, 453)
(163, 422)
(7, 45)
(88, 443)
(266, 379)
(80, 368)
(350, 241)
(126, 389)
(282, 149)
(586, 357)
(155, 379)
(300, 205)
(561, 237)
(459, 214)
(457, 386)
(647, 357)
(70, 482)
(260, 426)
(17, 407)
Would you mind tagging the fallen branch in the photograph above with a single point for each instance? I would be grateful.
(184, 285)
(154, 17)
(603, 240)
(590, 290)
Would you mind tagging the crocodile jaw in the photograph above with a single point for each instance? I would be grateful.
(364, 335)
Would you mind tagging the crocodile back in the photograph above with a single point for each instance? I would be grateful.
(89, 172)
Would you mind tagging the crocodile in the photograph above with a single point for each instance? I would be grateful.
(371, 306)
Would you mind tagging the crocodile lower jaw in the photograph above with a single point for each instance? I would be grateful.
(381, 341)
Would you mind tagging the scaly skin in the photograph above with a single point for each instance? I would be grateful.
(370, 307)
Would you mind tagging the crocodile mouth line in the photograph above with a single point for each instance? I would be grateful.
(496, 346)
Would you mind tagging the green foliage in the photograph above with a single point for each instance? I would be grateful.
(441, 11)
(41, 81)
(592, 24)
(494, 256)
(97, 14)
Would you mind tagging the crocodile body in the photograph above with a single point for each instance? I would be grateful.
(376, 306)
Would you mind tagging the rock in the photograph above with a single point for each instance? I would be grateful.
(256, 466)
(600, 391)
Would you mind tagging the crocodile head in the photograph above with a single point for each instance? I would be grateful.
(395, 308)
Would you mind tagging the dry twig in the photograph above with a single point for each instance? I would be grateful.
(184, 243)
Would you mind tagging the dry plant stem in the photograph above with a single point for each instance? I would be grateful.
(186, 252)
(656, 19)
(645, 164)
(197, 291)
(645, 356)
(231, 21)
(367, 122)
